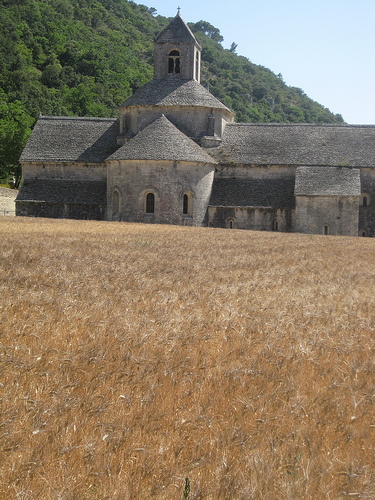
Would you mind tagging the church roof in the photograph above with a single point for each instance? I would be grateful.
(173, 92)
(266, 193)
(76, 192)
(74, 139)
(334, 181)
(176, 31)
(161, 140)
(298, 144)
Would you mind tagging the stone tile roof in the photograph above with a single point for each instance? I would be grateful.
(176, 31)
(87, 140)
(161, 140)
(62, 191)
(298, 144)
(266, 193)
(173, 92)
(327, 181)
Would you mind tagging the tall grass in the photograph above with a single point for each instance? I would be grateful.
(135, 356)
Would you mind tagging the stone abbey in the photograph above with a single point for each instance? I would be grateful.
(176, 156)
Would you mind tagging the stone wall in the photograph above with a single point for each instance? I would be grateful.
(367, 213)
(338, 213)
(60, 210)
(188, 59)
(193, 121)
(256, 219)
(169, 181)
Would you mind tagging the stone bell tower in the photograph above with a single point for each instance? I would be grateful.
(177, 54)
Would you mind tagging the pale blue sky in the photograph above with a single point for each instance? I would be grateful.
(327, 48)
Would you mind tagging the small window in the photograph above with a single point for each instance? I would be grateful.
(275, 225)
(150, 203)
(187, 205)
(126, 124)
(174, 62)
(326, 229)
(185, 210)
(116, 202)
(363, 233)
(365, 200)
(197, 66)
(230, 223)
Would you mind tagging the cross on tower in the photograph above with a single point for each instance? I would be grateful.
(178, 10)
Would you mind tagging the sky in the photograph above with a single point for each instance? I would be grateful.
(324, 47)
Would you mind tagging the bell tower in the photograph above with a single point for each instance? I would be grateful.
(177, 54)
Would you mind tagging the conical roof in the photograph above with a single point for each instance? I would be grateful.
(161, 140)
(176, 31)
(173, 92)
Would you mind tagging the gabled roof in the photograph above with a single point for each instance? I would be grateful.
(333, 181)
(265, 193)
(64, 191)
(176, 31)
(162, 141)
(173, 92)
(61, 138)
(298, 144)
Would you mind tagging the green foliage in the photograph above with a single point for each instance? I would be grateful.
(85, 57)
(15, 129)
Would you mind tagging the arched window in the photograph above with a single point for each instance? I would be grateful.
(365, 200)
(275, 225)
(230, 223)
(174, 62)
(150, 203)
(362, 232)
(187, 205)
(325, 229)
(116, 202)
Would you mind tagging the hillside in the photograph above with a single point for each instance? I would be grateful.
(134, 357)
(85, 57)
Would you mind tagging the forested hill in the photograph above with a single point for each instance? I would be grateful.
(85, 57)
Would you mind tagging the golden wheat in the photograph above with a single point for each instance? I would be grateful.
(134, 356)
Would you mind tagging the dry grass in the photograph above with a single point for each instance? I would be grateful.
(133, 356)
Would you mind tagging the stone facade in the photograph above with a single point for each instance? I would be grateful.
(175, 156)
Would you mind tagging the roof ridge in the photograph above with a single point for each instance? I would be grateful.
(275, 124)
(77, 118)
(172, 32)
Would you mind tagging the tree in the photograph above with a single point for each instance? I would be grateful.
(233, 47)
(208, 30)
(15, 129)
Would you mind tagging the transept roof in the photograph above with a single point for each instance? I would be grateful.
(161, 140)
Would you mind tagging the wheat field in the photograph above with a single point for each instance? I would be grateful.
(135, 356)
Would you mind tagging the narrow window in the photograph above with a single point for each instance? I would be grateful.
(325, 229)
(363, 233)
(197, 66)
(185, 209)
(174, 62)
(364, 202)
(150, 203)
(187, 205)
(230, 223)
(116, 202)
(126, 124)
(275, 225)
